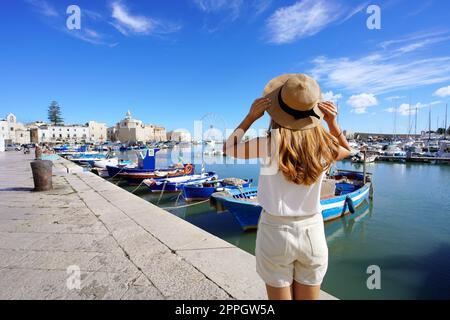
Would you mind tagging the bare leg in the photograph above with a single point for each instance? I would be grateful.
(304, 292)
(279, 293)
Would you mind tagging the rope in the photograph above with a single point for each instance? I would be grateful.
(185, 206)
(162, 191)
(110, 178)
(178, 197)
(140, 184)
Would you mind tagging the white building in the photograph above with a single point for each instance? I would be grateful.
(180, 135)
(131, 131)
(98, 132)
(12, 131)
(92, 132)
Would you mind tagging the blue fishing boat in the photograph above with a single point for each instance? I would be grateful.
(87, 158)
(146, 169)
(66, 149)
(350, 191)
(202, 191)
(176, 184)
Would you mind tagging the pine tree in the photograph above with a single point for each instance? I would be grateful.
(54, 113)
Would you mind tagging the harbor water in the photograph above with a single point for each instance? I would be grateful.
(405, 230)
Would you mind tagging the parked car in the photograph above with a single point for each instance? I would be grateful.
(13, 147)
(29, 145)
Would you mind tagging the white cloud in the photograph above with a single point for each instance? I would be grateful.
(261, 6)
(443, 92)
(330, 96)
(380, 73)
(356, 10)
(394, 98)
(361, 102)
(214, 6)
(302, 19)
(127, 23)
(44, 8)
(406, 109)
(393, 68)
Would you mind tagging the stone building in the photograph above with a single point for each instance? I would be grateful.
(130, 130)
(98, 132)
(92, 132)
(12, 131)
(180, 135)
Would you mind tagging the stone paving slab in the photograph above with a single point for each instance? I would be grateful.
(125, 247)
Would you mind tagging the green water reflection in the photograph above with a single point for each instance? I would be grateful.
(405, 231)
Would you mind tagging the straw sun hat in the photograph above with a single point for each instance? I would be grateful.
(295, 99)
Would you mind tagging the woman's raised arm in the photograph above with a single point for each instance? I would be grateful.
(255, 148)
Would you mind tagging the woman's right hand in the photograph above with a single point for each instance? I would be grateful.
(258, 108)
(329, 110)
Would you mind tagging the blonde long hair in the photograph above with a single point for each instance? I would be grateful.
(305, 154)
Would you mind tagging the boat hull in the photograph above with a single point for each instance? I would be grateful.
(167, 185)
(247, 213)
(137, 175)
(199, 193)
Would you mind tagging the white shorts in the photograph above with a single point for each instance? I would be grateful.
(291, 248)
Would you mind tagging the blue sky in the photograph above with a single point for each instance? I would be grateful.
(172, 62)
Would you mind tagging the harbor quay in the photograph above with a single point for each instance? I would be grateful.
(90, 239)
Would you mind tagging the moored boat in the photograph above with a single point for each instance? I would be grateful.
(111, 162)
(177, 183)
(145, 169)
(202, 191)
(341, 194)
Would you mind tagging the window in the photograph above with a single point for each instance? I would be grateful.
(67, 129)
(12, 129)
(60, 135)
(54, 136)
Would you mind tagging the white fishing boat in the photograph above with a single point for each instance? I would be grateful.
(111, 162)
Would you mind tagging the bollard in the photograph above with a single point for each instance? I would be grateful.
(42, 175)
(38, 152)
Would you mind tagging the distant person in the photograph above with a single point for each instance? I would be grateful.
(291, 249)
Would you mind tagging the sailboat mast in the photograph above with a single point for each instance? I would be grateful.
(445, 125)
(415, 121)
(429, 124)
(409, 117)
(395, 121)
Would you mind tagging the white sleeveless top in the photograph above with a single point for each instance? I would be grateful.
(281, 197)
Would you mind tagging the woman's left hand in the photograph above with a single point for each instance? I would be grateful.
(329, 110)
(258, 108)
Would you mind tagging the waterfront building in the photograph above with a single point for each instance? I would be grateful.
(98, 132)
(383, 136)
(92, 132)
(12, 131)
(180, 135)
(130, 130)
(60, 134)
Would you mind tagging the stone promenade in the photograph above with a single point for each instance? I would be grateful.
(123, 246)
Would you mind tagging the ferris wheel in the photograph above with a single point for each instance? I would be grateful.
(213, 128)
